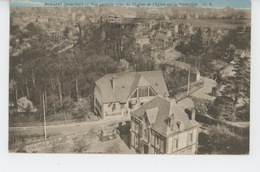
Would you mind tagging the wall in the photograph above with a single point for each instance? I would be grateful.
(97, 95)
(118, 111)
(183, 143)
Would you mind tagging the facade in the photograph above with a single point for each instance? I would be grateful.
(162, 127)
(117, 94)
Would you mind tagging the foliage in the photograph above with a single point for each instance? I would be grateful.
(81, 144)
(223, 141)
(57, 144)
(201, 108)
(238, 86)
(222, 108)
(68, 104)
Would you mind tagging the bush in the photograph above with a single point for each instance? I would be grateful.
(81, 144)
(201, 108)
(224, 141)
(215, 111)
(222, 108)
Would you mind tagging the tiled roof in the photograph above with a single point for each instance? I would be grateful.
(165, 109)
(127, 82)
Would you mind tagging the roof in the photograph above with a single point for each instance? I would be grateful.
(159, 110)
(127, 82)
(151, 115)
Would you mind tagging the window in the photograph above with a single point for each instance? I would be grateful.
(180, 125)
(122, 105)
(136, 142)
(143, 92)
(157, 141)
(134, 94)
(146, 134)
(137, 127)
(113, 107)
(151, 92)
(175, 144)
(190, 138)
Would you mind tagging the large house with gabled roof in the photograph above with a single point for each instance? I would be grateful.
(117, 94)
(162, 127)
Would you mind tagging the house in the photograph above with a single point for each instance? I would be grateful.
(115, 95)
(25, 105)
(162, 127)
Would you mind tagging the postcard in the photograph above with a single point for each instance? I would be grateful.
(130, 77)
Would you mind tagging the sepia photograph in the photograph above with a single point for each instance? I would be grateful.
(129, 78)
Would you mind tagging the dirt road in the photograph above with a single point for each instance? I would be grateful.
(64, 129)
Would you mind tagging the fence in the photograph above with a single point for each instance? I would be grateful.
(182, 91)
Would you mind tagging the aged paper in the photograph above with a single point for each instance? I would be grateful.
(130, 77)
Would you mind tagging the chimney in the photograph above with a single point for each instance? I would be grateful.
(113, 82)
(193, 113)
(171, 121)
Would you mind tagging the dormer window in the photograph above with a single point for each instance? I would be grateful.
(143, 92)
(179, 125)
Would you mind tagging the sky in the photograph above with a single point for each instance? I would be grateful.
(200, 3)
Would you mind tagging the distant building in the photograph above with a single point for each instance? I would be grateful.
(116, 94)
(162, 127)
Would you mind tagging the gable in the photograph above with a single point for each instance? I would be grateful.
(151, 115)
(143, 82)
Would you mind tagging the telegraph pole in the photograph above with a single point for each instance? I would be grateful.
(188, 86)
(44, 117)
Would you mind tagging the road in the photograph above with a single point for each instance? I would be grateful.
(64, 129)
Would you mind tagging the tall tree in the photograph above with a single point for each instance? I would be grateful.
(239, 84)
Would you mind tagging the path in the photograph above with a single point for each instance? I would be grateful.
(65, 128)
(203, 93)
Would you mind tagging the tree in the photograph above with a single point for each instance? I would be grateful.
(68, 105)
(104, 64)
(239, 85)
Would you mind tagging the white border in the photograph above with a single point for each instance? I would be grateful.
(44, 162)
